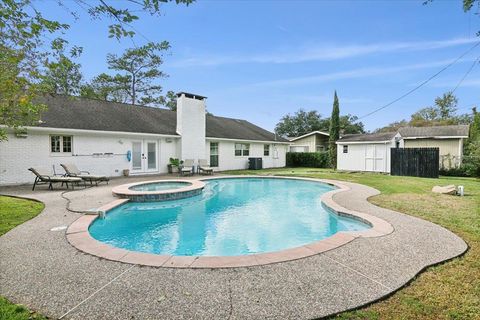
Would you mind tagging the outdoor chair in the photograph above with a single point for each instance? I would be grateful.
(49, 178)
(72, 171)
(204, 167)
(186, 168)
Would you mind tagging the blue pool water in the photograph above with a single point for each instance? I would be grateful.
(159, 186)
(232, 217)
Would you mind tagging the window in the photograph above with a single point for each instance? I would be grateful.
(213, 154)
(266, 150)
(242, 149)
(67, 144)
(345, 149)
(61, 144)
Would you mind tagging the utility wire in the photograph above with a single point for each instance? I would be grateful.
(475, 62)
(421, 84)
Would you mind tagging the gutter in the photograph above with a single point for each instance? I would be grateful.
(96, 132)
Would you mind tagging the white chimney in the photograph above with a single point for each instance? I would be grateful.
(191, 125)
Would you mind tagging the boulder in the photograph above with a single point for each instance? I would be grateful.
(450, 189)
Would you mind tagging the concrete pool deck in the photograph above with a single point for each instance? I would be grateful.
(40, 269)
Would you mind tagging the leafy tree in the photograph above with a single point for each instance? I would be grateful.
(62, 75)
(171, 101)
(334, 131)
(446, 105)
(138, 69)
(475, 126)
(300, 123)
(23, 30)
(17, 94)
(349, 124)
(443, 113)
(104, 87)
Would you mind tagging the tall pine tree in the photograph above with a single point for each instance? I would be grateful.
(334, 131)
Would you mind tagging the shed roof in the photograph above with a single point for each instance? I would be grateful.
(437, 131)
(368, 137)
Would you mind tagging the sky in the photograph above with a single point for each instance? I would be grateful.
(260, 60)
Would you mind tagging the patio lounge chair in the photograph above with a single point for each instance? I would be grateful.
(42, 177)
(204, 167)
(72, 171)
(186, 168)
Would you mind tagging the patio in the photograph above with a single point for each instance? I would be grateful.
(40, 269)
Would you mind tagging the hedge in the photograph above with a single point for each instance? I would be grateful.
(308, 159)
(470, 167)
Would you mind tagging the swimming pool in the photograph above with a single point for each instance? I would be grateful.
(231, 217)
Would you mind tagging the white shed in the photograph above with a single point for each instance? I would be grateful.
(367, 152)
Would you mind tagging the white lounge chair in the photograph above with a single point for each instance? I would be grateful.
(187, 167)
(72, 171)
(204, 167)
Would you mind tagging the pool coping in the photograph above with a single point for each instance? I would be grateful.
(124, 191)
(79, 237)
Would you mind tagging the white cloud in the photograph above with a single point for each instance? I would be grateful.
(317, 52)
(350, 74)
(472, 83)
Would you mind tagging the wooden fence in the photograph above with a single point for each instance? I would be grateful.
(416, 162)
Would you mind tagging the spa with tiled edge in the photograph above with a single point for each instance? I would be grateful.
(159, 190)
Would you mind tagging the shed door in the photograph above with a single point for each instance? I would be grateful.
(375, 157)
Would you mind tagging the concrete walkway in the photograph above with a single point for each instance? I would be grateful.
(40, 269)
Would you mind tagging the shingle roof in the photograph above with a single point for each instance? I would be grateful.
(90, 114)
(439, 131)
(227, 128)
(384, 136)
(308, 134)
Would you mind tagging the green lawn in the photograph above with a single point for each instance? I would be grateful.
(447, 291)
(13, 212)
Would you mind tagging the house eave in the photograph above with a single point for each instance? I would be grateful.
(85, 131)
(248, 140)
(363, 142)
(435, 137)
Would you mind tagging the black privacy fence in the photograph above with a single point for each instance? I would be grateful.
(416, 162)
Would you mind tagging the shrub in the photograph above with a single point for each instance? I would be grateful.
(308, 159)
(470, 167)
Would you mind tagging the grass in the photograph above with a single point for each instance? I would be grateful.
(446, 291)
(13, 212)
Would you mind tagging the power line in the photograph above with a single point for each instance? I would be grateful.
(421, 84)
(466, 74)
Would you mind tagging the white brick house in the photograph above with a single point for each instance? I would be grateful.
(106, 138)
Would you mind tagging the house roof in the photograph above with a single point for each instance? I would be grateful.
(308, 134)
(90, 114)
(369, 137)
(438, 131)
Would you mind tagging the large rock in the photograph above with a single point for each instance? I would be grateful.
(450, 189)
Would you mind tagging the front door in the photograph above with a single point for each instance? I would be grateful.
(144, 156)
